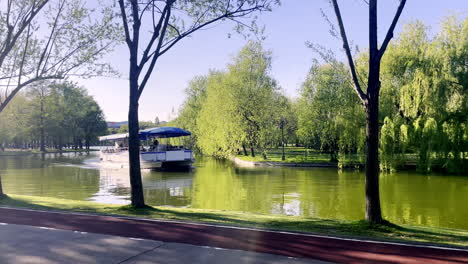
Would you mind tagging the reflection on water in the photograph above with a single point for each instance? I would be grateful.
(433, 200)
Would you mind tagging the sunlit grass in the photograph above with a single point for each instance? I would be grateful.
(392, 232)
(304, 155)
(292, 155)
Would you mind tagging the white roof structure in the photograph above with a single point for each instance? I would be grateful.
(114, 137)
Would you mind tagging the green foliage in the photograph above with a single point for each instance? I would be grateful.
(217, 125)
(237, 109)
(425, 86)
(190, 110)
(392, 145)
(330, 117)
(423, 104)
(51, 40)
(387, 144)
(63, 113)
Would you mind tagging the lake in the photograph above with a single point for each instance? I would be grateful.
(407, 197)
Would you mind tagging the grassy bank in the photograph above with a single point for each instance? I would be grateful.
(297, 155)
(402, 233)
(301, 155)
(292, 155)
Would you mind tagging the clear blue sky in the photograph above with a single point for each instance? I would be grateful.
(287, 29)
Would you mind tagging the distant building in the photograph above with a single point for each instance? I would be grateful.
(116, 124)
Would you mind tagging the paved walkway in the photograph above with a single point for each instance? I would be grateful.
(276, 243)
(29, 245)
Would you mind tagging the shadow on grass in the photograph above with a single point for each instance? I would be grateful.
(61, 205)
(386, 231)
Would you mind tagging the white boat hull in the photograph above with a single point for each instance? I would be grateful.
(152, 160)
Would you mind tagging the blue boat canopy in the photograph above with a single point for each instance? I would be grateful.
(156, 132)
(163, 132)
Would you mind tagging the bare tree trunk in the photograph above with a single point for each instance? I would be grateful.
(136, 184)
(373, 210)
(245, 150)
(2, 195)
(42, 143)
(252, 151)
(370, 101)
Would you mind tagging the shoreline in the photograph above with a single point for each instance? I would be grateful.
(358, 166)
(9, 153)
(252, 164)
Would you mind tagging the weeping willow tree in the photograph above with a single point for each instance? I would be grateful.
(423, 108)
(241, 109)
(329, 116)
(425, 86)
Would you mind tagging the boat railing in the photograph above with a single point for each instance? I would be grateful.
(161, 148)
(114, 150)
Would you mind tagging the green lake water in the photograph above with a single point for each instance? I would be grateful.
(407, 198)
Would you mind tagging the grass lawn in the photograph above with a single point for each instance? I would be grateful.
(303, 155)
(292, 155)
(388, 232)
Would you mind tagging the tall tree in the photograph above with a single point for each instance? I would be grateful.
(188, 113)
(424, 92)
(240, 108)
(40, 92)
(370, 100)
(70, 42)
(44, 40)
(169, 21)
(329, 117)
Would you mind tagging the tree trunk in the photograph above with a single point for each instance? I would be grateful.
(42, 148)
(373, 211)
(42, 143)
(1, 188)
(136, 184)
(245, 150)
(252, 151)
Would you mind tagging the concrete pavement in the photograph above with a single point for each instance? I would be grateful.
(26, 244)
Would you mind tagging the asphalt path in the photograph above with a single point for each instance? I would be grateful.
(280, 243)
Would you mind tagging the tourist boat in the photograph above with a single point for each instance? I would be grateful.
(170, 153)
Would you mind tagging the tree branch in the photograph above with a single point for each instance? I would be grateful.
(54, 26)
(13, 37)
(158, 48)
(357, 86)
(155, 35)
(389, 35)
(23, 58)
(8, 98)
(236, 13)
(125, 23)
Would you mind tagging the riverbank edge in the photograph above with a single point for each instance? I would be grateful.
(27, 153)
(251, 164)
(414, 235)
